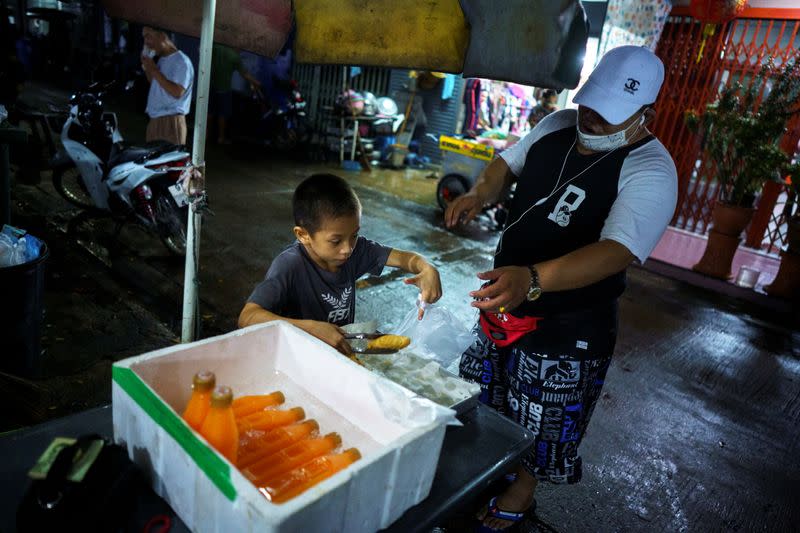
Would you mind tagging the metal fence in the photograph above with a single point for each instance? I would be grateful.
(320, 84)
(734, 53)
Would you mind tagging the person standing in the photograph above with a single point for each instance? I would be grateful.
(595, 192)
(170, 95)
(224, 62)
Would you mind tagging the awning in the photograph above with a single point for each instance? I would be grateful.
(260, 26)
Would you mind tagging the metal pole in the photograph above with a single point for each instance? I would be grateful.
(5, 186)
(190, 281)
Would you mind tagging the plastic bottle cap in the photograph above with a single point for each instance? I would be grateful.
(354, 453)
(335, 437)
(222, 397)
(204, 380)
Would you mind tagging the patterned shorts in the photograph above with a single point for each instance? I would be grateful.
(549, 382)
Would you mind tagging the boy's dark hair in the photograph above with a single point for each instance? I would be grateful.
(320, 197)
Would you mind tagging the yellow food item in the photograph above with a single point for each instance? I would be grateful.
(389, 342)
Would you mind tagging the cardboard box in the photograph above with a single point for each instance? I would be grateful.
(398, 433)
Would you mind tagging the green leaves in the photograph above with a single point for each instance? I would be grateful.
(741, 136)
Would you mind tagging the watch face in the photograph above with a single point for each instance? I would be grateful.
(534, 293)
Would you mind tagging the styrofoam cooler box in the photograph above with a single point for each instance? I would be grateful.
(398, 433)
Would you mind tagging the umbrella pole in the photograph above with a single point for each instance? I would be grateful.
(190, 281)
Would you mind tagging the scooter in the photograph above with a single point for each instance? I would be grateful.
(99, 173)
(281, 124)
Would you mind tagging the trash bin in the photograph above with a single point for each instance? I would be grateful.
(22, 287)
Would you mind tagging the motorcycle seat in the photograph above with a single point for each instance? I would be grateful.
(124, 154)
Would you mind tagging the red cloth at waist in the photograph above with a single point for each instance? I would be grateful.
(505, 329)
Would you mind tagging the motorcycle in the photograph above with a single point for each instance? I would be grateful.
(99, 173)
(279, 122)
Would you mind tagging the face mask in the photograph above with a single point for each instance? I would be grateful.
(606, 143)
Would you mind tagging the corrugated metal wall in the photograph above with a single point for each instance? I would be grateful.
(320, 84)
(442, 115)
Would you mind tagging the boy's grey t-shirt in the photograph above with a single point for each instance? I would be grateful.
(295, 287)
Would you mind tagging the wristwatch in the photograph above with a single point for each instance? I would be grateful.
(535, 289)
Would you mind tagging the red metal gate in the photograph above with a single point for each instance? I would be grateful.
(735, 52)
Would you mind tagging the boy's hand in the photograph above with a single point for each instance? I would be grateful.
(429, 284)
(327, 333)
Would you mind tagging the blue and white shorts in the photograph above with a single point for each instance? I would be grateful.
(548, 381)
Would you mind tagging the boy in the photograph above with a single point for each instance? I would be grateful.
(311, 284)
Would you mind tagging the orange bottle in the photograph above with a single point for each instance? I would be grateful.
(247, 405)
(219, 427)
(274, 441)
(200, 402)
(270, 419)
(299, 453)
(301, 479)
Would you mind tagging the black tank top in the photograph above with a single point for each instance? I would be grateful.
(571, 218)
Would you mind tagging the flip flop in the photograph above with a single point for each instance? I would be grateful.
(493, 511)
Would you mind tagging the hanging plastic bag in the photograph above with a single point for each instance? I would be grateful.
(12, 251)
(439, 335)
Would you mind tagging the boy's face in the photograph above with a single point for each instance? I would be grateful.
(330, 246)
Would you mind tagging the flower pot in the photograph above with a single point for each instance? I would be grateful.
(787, 283)
(723, 240)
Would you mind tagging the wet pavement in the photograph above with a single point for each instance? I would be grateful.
(697, 426)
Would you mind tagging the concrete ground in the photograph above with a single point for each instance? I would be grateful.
(697, 427)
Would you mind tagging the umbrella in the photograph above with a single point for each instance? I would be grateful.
(260, 26)
(533, 43)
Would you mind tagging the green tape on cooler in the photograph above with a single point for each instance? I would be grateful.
(217, 470)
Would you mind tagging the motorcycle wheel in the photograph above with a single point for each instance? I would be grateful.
(449, 188)
(171, 223)
(69, 183)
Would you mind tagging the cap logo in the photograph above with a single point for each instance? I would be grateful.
(632, 86)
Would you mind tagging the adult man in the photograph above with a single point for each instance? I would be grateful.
(595, 191)
(170, 95)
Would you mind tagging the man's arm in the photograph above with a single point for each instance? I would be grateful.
(152, 72)
(584, 266)
(577, 269)
(173, 89)
(494, 179)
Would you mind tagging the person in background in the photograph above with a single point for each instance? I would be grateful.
(171, 79)
(547, 104)
(224, 62)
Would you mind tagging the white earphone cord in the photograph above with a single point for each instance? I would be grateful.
(556, 188)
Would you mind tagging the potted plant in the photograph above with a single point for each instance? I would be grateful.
(787, 282)
(741, 137)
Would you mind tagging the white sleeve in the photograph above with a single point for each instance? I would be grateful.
(646, 199)
(516, 155)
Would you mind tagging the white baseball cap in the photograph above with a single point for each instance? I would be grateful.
(625, 79)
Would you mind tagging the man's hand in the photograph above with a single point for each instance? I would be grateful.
(429, 284)
(463, 209)
(511, 284)
(327, 333)
(149, 66)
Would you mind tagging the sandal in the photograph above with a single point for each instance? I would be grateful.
(494, 511)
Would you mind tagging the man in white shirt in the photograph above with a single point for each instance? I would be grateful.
(595, 192)
(170, 95)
